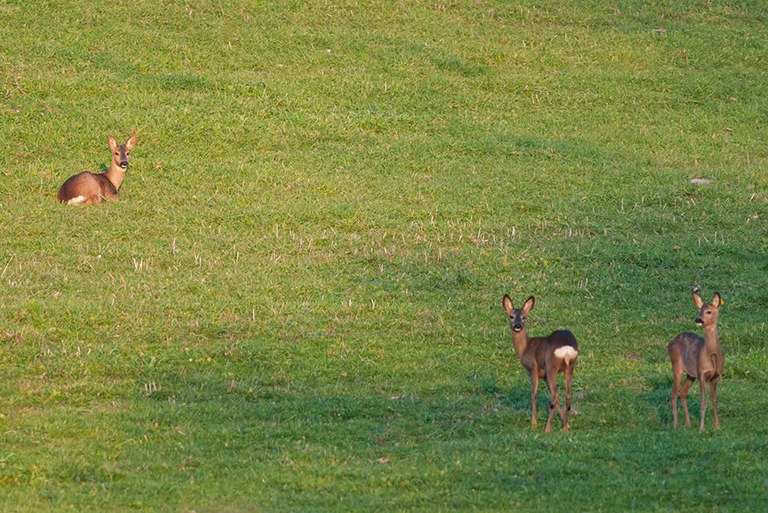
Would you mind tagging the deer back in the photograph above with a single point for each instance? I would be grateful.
(87, 188)
(542, 352)
(697, 357)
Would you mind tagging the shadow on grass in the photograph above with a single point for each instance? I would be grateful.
(659, 396)
(517, 397)
(326, 414)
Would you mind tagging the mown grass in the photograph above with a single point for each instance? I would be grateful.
(296, 304)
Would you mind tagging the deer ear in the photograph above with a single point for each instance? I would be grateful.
(112, 142)
(717, 301)
(131, 142)
(697, 298)
(508, 306)
(528, 305)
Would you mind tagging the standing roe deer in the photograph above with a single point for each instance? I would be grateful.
(88, 188)
(544, 358)
(697, 358)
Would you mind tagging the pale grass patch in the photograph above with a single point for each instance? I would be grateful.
(149, 388)
(142, 264)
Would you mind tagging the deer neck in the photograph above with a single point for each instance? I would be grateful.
(115, 174)
(710, 337)
(520, 341)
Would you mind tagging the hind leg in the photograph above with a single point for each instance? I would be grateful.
(554, 401)
(677, 378)
(684, 398)
(568, 379)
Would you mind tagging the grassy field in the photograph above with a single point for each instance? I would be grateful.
(296, 305)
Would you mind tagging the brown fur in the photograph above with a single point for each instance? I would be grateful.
(88, 188)
(537, 354)
(694, 357)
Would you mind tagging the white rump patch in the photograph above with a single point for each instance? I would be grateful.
(567, 353)
(77, 200)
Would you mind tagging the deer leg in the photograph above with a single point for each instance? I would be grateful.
(568, 378)
(713, 392)
(534, 388)
(703, 391)
(554, 402)
(684, 398)
(677, 377)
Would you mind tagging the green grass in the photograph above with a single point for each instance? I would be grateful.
(296, 305)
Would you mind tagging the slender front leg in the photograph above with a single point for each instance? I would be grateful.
(534, 388)
(713, 392)
(703, 391)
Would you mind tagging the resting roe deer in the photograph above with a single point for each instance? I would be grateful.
(544, 358)
(699, 358)
(88, 188)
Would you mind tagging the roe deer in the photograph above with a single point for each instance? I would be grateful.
(88, 188)
(544, 358)
(699, 358)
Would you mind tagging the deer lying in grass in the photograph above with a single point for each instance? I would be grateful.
(699, 358)
(88, 188)
(544, 358)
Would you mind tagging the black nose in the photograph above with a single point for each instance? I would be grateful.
(699, 321)
(123, 163)
(517, 327)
